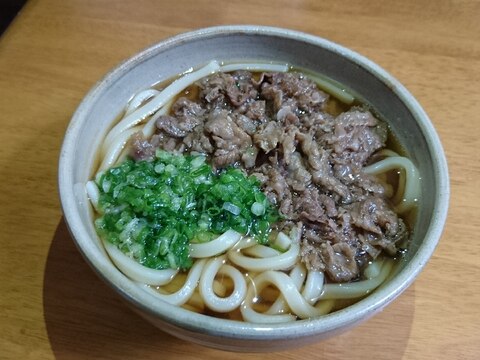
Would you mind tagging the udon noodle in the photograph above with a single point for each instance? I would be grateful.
(233, 274)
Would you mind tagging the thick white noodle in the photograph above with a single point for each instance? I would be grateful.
(139, 99)
(213, 301)
(356, 289)
(215, 247)
(282, 241)
(311, 291)
(280, 306)
(184, 294)
(246, 242)
(280, 262)
(115, 149)
(255, 67)
(296, 302)
(325, 306)
(136, 271)
(123, 155)
(333, 88)
(250, 315)
(93, 193)
(412, 181)
(149, 128)
(159, 100)
(373, 269)
(261, 251)
(387, 152)
(313, 286)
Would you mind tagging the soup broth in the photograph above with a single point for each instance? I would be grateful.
(335, 194)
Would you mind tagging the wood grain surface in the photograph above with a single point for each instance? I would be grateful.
(53, 306)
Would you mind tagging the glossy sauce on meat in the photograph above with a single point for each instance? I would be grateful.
(307, 150)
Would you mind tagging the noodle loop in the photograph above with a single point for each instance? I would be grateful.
(136, 271)
(181, 296)
(213, 301)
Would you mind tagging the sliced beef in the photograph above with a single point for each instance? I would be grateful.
(197, 141)
(298, 177)
(309, 162)
(165, 142)
(171, 126)
(356, 136)
(385, 228)
(269, 136)
(310, 252)
(213, 89)
(235, 89)
(277, 190)
(250, 116)
(189, 113)
(339, 260)
(256, 110)
(287, 116)
(281, 87)
(141, 148)
(323, 176)
(289, 143)
(242, 89)
(246, 124)
(309, 206)
(329, 205)
(230, 140)
(373, 215)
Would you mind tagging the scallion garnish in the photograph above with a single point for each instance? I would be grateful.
(153, 210)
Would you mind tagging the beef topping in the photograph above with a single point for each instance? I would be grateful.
(309, 162)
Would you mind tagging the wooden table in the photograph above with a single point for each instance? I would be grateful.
(53, 306)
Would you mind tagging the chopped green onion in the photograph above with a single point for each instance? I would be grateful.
(234, 209)
(159, 168)
(197, 162)
(258, 209)
(152, 210)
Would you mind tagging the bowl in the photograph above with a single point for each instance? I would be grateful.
(176, 55)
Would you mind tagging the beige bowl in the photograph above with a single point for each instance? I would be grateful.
(104, 102)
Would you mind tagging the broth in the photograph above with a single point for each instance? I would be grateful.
(263, 300)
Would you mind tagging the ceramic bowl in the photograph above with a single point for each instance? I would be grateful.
(108, 97)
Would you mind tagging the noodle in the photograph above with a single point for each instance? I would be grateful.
(183, 295)
(231, 272)
(215, 247)
(138, 272)
(149, 127)
(116, 148)
(139, 99)
(93, 193)
(140, 114)
(356, 289)
(254, 67)
(280, 306)
(216, 266)
(278, 262)
(409, 187)
(297, 303)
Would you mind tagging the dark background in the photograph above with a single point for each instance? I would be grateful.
(8, 10)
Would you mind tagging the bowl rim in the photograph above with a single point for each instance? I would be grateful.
(235, 329)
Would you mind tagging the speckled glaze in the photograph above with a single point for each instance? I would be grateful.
(104, 102)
